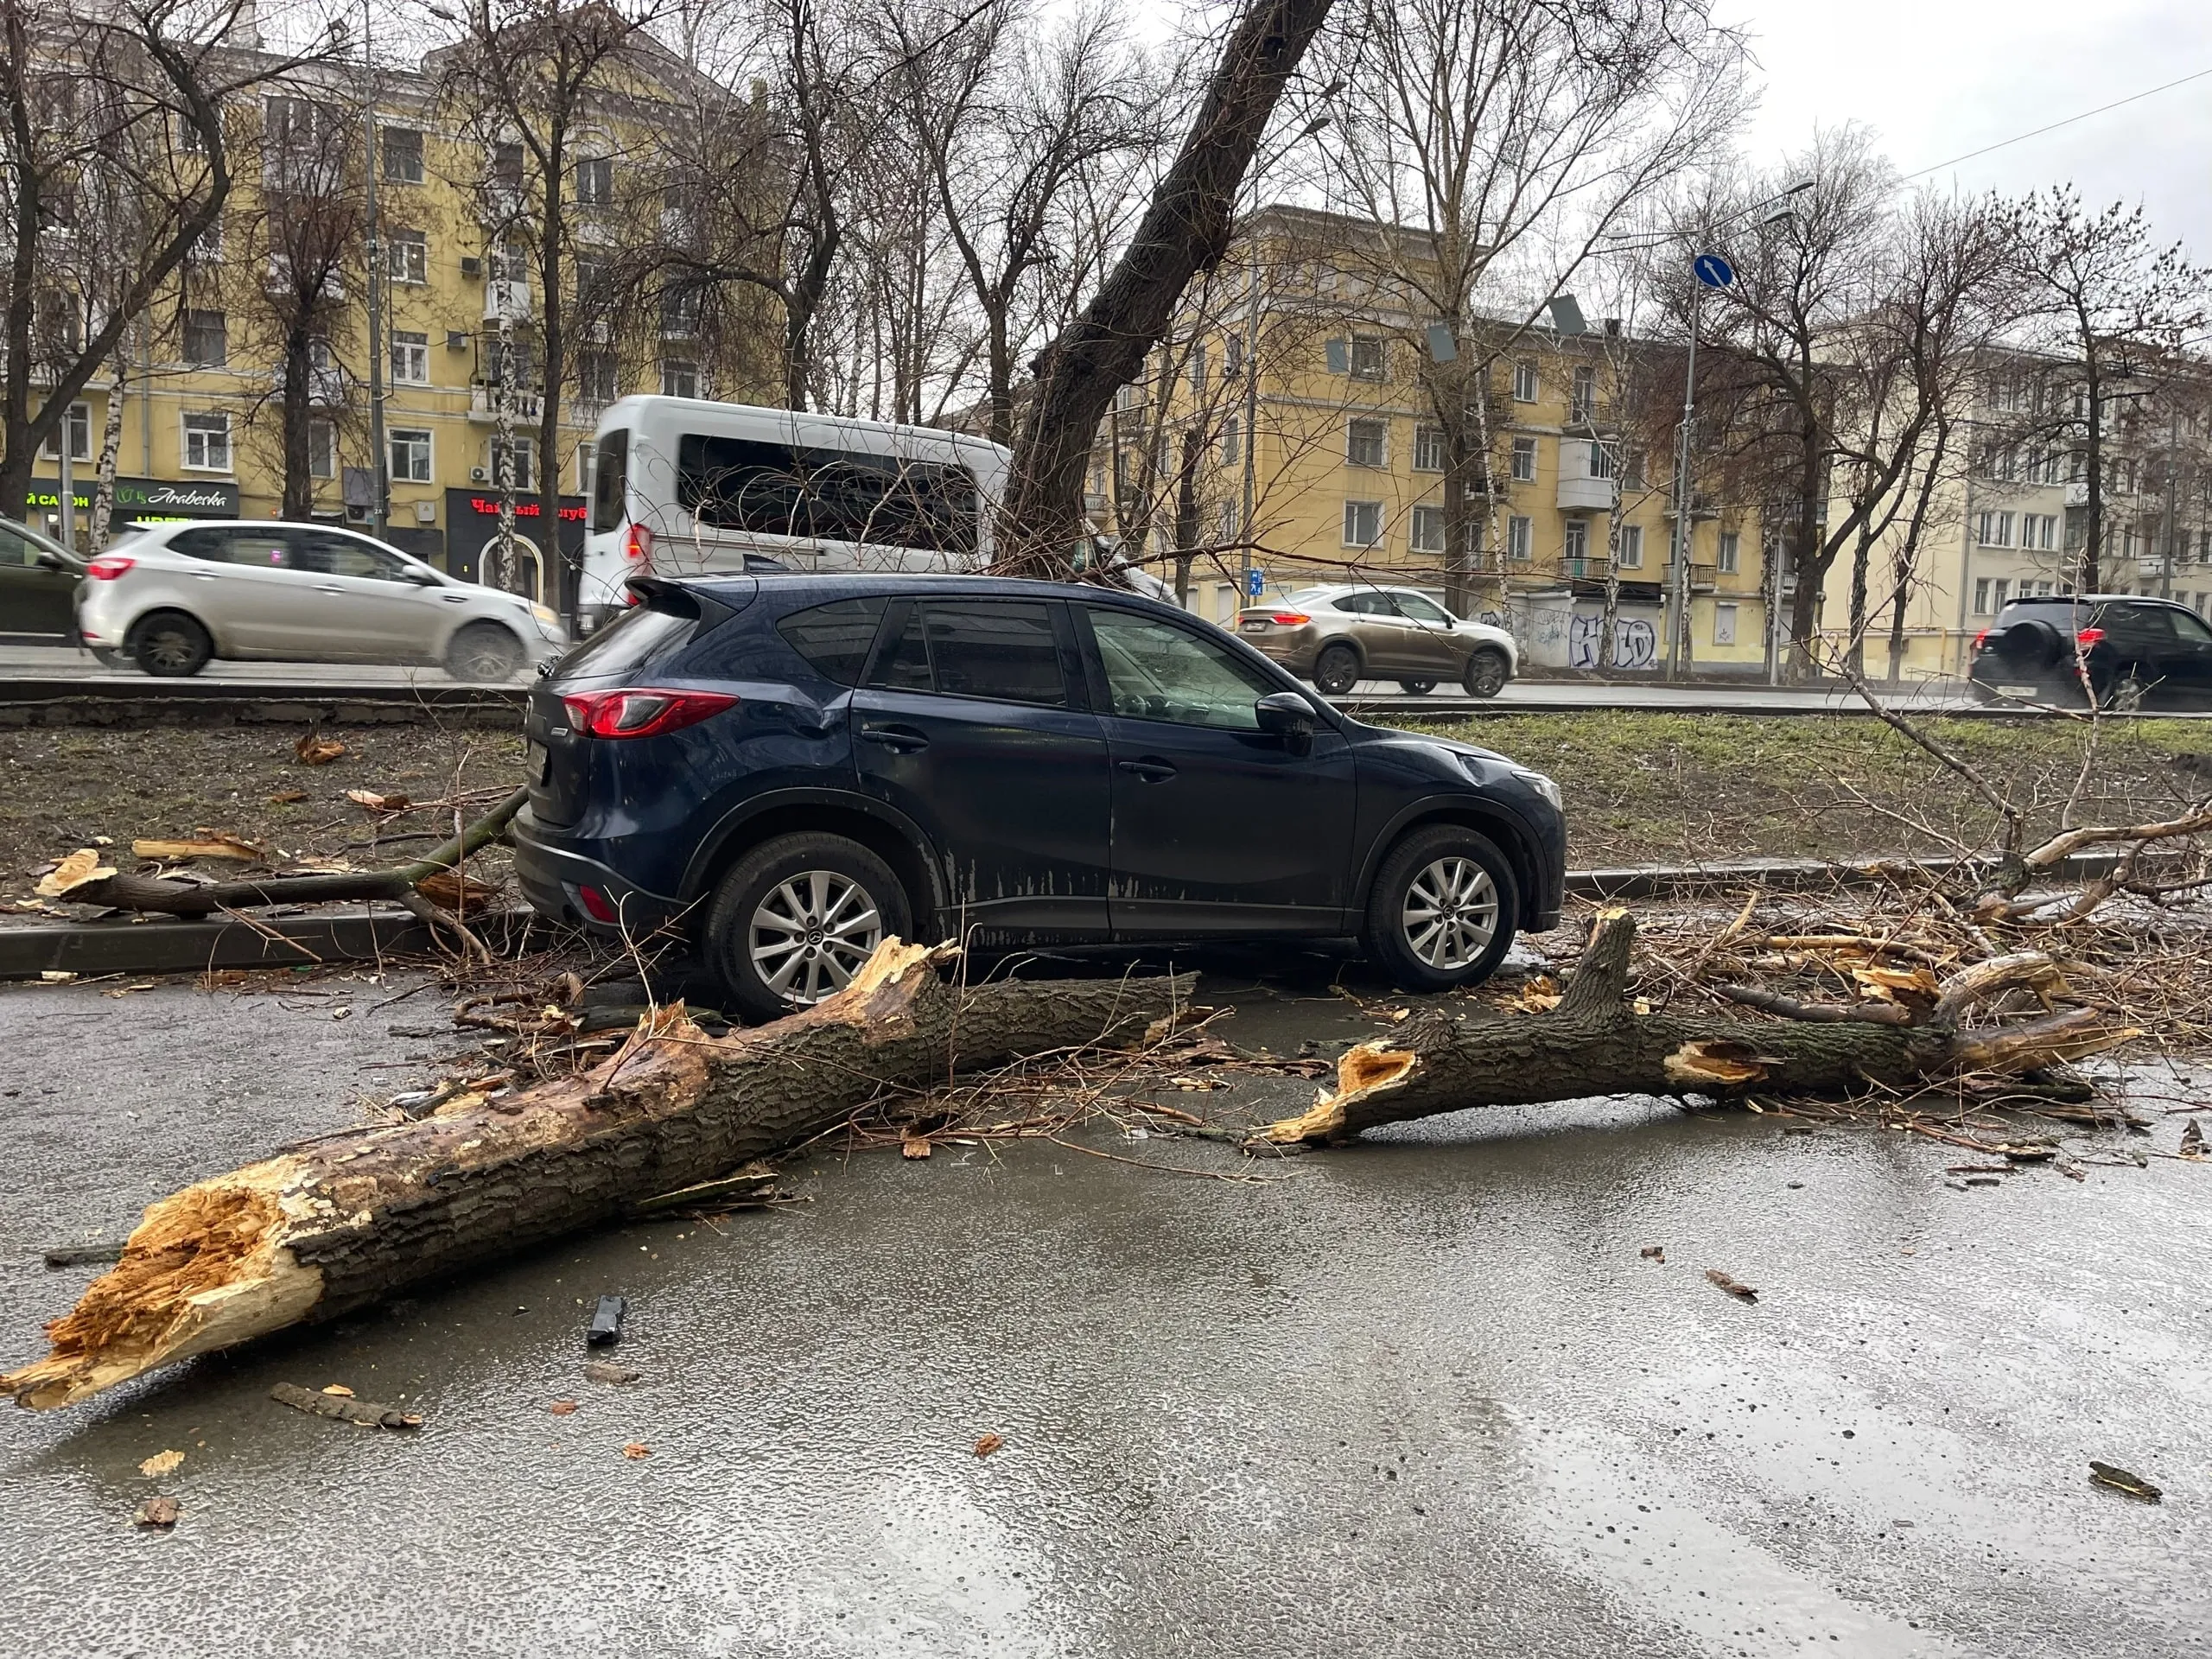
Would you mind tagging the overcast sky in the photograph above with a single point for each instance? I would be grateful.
(1938, 78)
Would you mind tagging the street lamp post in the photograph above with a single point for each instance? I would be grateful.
(1678, 558)
(379, 456)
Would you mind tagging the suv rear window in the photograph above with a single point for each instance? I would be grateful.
(647, 633)
(835, 638)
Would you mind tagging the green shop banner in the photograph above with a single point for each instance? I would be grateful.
(143, 498)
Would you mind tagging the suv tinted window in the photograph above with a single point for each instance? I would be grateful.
(329, 555)
(646, 633)
(1422, 610)
(1154, 671)
(270, 549)
(835, 638)
(1003, 652)
(1365, 604)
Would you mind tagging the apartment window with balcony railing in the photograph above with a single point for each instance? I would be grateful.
(1631, 553)
(1427, 529)
(1524, 461)
(1724, 561)
(1520, 539)
(1578, 540)
(1524, 383)
(1582, 401)
(1362, 523)
(1428, 448)
(1366, 443)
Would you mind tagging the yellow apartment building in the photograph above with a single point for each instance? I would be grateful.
(1311, 355)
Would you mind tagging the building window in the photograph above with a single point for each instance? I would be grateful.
(1994, 530)
(1524, 383)
(1365, 444)
(1198, 368)
(597, 381)
(322, 449)
(410, 455)
(1362, 523)
(206, 340)
(1524, 461)
(410, 359)
(1428, 448)
(1428, 530)
(506, 168)
(679, 378)
(1230, 454)
(1724, 625)
(1631, 554)
(514, 461)
(1601, 459)
(1582, 402)
(401, 150)
(1725, 562)
(407, 257)
(1578, 539)
(77, 428)
(595, 181)
(207, 443)
(1519, 537)
(679, 313)
(509, 262)
(1367, 361)
(1232, 355)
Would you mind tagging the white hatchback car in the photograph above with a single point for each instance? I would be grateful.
(172, 597)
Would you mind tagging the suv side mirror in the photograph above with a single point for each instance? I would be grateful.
(1288, 716)
(422, 577)
(48, 559)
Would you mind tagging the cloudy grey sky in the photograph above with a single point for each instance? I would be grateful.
(1936, 78)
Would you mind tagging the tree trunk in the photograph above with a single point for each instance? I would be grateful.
(1862, 554)
(102, 527)
(1595, 1044)
(1185, 230)
(293, 414)
(332, 1225)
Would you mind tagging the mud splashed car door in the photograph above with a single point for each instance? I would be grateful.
(973, 724)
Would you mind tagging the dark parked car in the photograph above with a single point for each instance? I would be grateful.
(791, 768)
(38, 584)
(2138, 654)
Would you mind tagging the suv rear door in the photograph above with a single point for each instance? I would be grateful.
(975, 723)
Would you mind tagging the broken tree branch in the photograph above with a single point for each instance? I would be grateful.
(347, 1219)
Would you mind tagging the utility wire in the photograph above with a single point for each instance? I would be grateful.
(2002, 144)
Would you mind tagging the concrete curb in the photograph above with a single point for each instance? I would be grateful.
(87, 949)
(94, 702)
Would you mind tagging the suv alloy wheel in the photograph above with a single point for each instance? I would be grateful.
(793, 920)
(1443, 910)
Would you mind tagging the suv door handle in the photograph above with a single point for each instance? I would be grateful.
(330, 590)
(900, 740)
(1152, 772)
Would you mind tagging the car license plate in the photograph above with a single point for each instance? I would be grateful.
(1254, 627)
(539, 760)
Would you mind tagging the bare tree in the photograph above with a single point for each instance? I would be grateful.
(121, 102)
(2107, 298)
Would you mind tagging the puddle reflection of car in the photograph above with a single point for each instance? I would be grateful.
(175, 598)
(1339, 636)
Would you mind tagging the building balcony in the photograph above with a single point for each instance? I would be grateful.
(506, 299)
(1592, 568)
(1586, 494)
(522, 407)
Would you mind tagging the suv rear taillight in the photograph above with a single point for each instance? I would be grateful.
(108, 566)
(641, 712)
(2088, 638)
(1289, 618)
(1979, 638)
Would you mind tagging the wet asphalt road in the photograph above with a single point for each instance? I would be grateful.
(1420, 1398)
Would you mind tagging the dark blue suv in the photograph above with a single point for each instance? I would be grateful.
(790, 768)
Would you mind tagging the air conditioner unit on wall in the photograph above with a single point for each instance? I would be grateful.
(456, 340)
(471, 265)
(476, 474)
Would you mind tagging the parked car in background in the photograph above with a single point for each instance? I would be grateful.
(1339, 636)
(2135, 652)
(38, 583)
(791, 768)
(686, 487)
(171, 598)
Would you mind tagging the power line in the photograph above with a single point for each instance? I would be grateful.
(2022, 137)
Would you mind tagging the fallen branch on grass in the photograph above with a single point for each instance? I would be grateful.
(347, 1219)
(1595, 1043)
(432, 873)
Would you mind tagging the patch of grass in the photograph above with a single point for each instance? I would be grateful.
(1643, 785)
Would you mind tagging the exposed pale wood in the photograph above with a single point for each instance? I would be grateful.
(331, 1224)
(344, 1409)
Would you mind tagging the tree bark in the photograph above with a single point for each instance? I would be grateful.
(332, 1225)
(1595, 1043)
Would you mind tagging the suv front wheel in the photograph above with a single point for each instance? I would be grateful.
(1441, 914)
(794, 919)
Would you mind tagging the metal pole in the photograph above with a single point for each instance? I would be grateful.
(1252, 423)
(68, 490)
(2173, 444)
(1678, 576)
(380, 463)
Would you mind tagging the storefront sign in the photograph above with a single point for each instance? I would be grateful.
(143, 498)
(487, 506)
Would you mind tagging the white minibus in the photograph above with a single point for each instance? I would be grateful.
(682, 486)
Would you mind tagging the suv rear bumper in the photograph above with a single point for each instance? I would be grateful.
(559, 882)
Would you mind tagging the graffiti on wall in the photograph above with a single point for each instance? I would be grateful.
(1636, 642)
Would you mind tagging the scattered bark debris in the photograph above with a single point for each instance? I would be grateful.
(317, 750)
(606, 1370)
(79, 1256)
(161, 1463)
(637, 1449)
(560, 1407)
(2192, 1141)
(343, 1409)
(914, 1146)
(989, 1444)
(160, 1512)
(747, 1188)
(1733, 1286)
(1653, 1252)
(2108, 1474)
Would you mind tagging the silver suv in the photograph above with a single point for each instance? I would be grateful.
(172, 597)
(1339, 636)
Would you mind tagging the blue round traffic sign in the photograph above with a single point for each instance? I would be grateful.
(1713, 272)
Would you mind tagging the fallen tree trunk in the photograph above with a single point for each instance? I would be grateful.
(331, 1224)
(167, 898)
(1595, 1043)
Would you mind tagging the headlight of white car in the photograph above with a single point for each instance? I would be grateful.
(545, 615)
(1543, 785)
